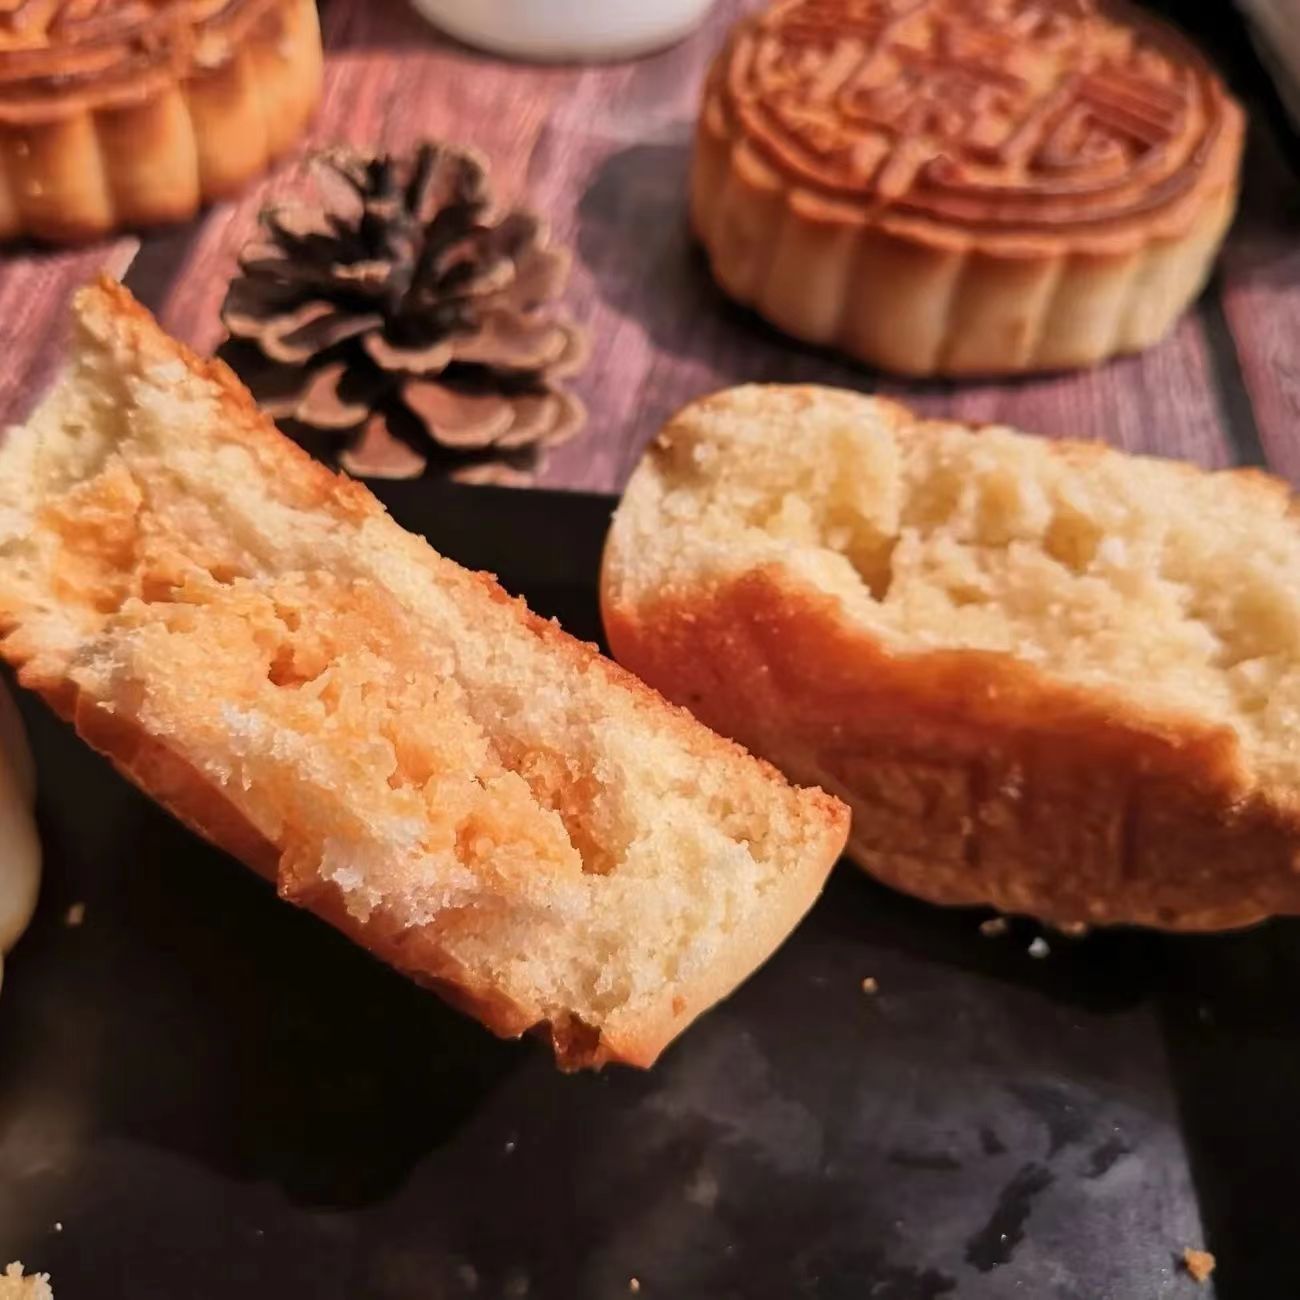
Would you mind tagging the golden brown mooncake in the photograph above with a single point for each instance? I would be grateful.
(964, 186)
(121, 113)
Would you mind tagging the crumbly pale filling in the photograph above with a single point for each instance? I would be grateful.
(15, 1285)
(375, 715)
(1173, 587)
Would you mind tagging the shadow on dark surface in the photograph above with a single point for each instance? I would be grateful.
(1102, 972)
(204, 990)
(636, 199)
(160, 258)
(1232, 1030)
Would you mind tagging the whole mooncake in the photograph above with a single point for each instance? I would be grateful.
(964, 186)
(130, 112)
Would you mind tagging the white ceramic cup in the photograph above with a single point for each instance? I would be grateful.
(566, 29)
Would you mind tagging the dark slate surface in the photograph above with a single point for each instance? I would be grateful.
(215, 1095)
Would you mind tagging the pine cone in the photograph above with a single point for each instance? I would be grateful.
(407, 329)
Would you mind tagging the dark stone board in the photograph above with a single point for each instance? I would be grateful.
(213, 1094)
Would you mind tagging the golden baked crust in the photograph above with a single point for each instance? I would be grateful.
(959, 186)
(1091, 778)
(473, 795)
(118, 113)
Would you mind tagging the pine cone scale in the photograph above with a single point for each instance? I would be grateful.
(322, 404)
(430, 360)
(313, 328)
(378, 453)
(548, 419)
(459, 420)
(513, 344)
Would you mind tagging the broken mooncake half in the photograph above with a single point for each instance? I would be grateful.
(1046, 676)
(458, 785)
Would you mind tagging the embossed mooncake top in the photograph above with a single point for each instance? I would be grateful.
(64, 54)
(1013, 117)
